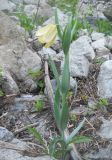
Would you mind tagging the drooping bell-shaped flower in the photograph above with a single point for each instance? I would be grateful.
(47, 35)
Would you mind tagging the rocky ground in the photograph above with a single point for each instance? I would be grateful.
(22, 81)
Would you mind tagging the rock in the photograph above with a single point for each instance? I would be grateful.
(99, 47)
(5, 135)
(30, 10)
(98, 43)
(34, 1)
(22, 31)
(6, 5)
(83, 32)
(108, 11)
(63, 19)
(15, 56)
(96, 36)
(105, 131)
(15, 18)
(82, 47)
(24, 102)
(46, 52)
(44, 10)
(17, 1)
(79, 66)
(108, 42)
(102, 154)
(81, 53)
(6, 154)
(104, 81)
(9, 86)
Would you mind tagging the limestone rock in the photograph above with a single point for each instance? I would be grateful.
(5, 135)
(6, 154)
(104, 83)
(46, 52)
(106, 129)
(63, 19)
(44, 10)
(96, 36)
(14, 54)
(7, 5)
(79, 66)
(34, 1)
(100, 48)
(81, 53)
(82, 47)
(108, 10)
(108, 42)
(102, 154)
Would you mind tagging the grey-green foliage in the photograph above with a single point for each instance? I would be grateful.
(66, 5)
(39, 104)
(61, 106)
(104, 26)
(103, 102)
(29, 23)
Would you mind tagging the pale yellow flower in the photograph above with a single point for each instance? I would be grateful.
(47, 35)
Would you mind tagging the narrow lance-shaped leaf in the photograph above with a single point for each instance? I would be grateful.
(36, 134)
(75, 131)
(57, 108)
(53, 145)
(55, 72)
(65, 76)
(66, 40)
(59, 29)
(73, 29)
(64, 114)
(80, 139)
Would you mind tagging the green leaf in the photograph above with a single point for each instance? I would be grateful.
(2, 93)
(103, 102)
(64, 115)
(55, 72)
(35, 74)
(39, 104)
(57, 147)
(66, 40)
(36, 134)
(75, 131)
(73, 29)
(80, 139)
(59, 29)
(65, 85)
(57, 107)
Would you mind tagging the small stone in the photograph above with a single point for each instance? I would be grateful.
(30, 10)
(6, 5)
(108, 42)
(96, 36)
(106, 130)
(104, 81)
(108, 10)
(79, 66)
(9, 86)
(46, 52)
(82, 47)
(5, 135)
(99, 47)
(102, 154)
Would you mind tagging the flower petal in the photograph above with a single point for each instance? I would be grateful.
(43, 30)
(50, 43)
